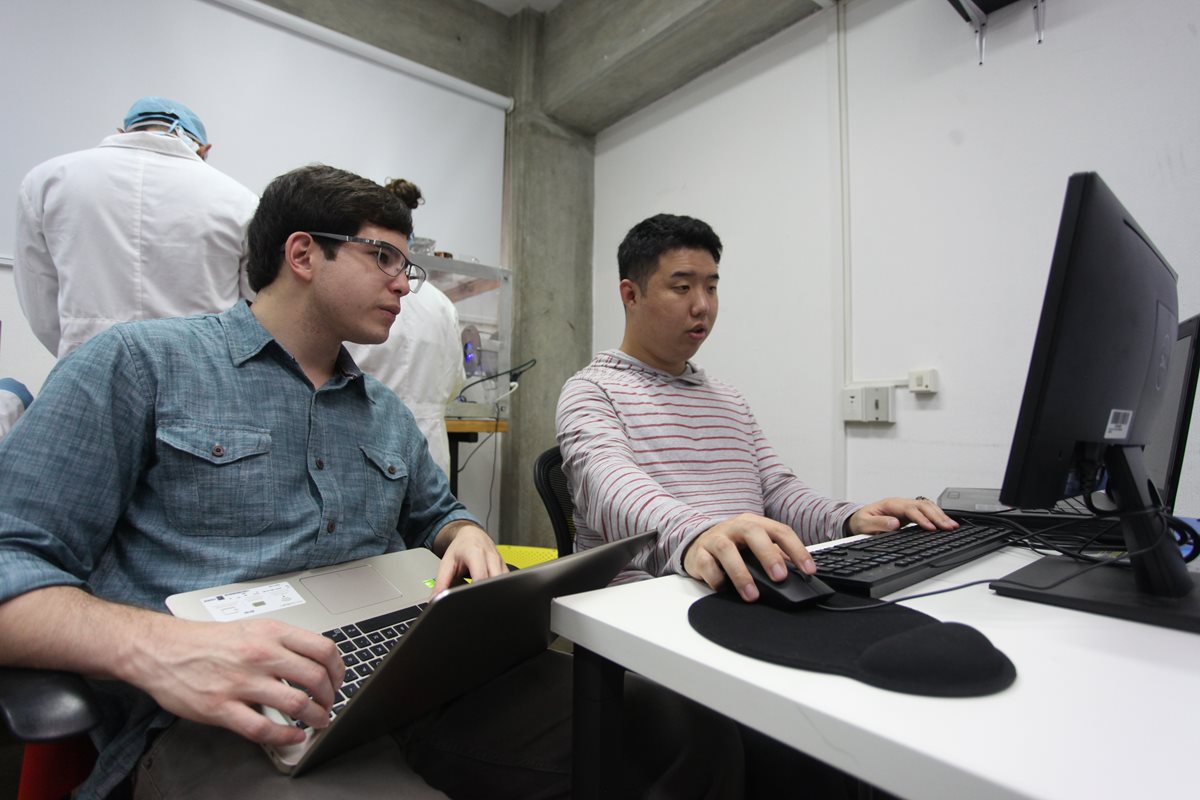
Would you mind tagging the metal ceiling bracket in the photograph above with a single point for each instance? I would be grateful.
(978, 22)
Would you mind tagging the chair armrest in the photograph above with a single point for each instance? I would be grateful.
(44, 705)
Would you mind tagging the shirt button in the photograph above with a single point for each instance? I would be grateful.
(218, 450)
(320, 463)
(391, 470)
(331, 527)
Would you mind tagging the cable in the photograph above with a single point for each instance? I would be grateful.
(516, 373)
(513, 385)
(1092, 562)
(487, 521)
(474, 450)
(1187, 537)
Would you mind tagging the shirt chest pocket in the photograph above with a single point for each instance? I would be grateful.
(386, 483)
(215, 481)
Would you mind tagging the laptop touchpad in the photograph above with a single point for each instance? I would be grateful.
(348, 589)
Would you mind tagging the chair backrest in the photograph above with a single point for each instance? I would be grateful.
(552, 486)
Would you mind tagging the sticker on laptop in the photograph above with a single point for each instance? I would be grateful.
(252, 602)
(1119, 420)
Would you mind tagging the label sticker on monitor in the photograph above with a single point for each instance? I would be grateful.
(1119, 420)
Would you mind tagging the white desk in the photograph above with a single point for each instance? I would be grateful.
(1101, 708)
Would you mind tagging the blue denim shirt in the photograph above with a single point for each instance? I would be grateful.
(170, 455)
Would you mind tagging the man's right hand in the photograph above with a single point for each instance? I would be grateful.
(714, 556)
(219, 673)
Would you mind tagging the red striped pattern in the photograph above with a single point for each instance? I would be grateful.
(644, 450)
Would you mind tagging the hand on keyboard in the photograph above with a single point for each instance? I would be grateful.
(222, 673)
(892, 513)
(892, 561)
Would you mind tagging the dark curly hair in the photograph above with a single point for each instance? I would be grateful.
(408, 192)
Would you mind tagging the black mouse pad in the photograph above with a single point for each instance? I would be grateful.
(890, 646)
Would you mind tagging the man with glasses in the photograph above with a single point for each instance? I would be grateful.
(228, 447)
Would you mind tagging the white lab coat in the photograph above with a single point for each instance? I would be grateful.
(421, 361)
(138, 227)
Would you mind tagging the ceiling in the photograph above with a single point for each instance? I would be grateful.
(510, 7)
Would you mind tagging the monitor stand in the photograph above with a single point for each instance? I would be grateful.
(1108, 590)
(1155, 587)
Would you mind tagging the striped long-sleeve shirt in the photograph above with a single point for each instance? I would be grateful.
(645, 450)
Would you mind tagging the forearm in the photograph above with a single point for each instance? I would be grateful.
(611, 491)
(211, 672)
(813, 516)
(447, 533)
(618, 499)
(63, 627)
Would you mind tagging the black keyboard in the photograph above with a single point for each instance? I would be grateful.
(363, 645)
(888, 562)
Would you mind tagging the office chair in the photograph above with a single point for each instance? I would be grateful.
(552, 486)
(49, 712)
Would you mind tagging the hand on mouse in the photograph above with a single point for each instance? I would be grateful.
(713, 556)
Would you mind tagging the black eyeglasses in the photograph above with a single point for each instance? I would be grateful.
(388, 257)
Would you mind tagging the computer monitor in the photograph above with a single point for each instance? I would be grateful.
(1168, 440)
(1097, 381)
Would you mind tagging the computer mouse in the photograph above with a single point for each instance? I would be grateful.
(794, 591)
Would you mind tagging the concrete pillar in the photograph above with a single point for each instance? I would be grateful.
(548, 209)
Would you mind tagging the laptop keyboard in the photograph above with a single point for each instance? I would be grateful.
(363, 645)
(889, 562)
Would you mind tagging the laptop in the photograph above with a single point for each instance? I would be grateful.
(426, 651)
(1164, 455)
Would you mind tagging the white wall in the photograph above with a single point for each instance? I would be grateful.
(955, 179)
(271, 100)
(750, 148)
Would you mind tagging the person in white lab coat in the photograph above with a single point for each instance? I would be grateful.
(138, 227)
(422, 359)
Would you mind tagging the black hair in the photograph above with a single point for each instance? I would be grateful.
(317, 198)
(638, 254)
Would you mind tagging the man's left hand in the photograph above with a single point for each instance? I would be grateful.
(891, 513)
(466, 549)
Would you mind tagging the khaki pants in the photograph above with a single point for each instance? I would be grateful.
(510, 738)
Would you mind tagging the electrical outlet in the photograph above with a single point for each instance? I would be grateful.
(923, 381)
(853, 405)
(880, 403)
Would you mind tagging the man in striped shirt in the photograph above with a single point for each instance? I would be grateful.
(649, 441)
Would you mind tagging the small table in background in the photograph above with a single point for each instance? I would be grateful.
(468, 430)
